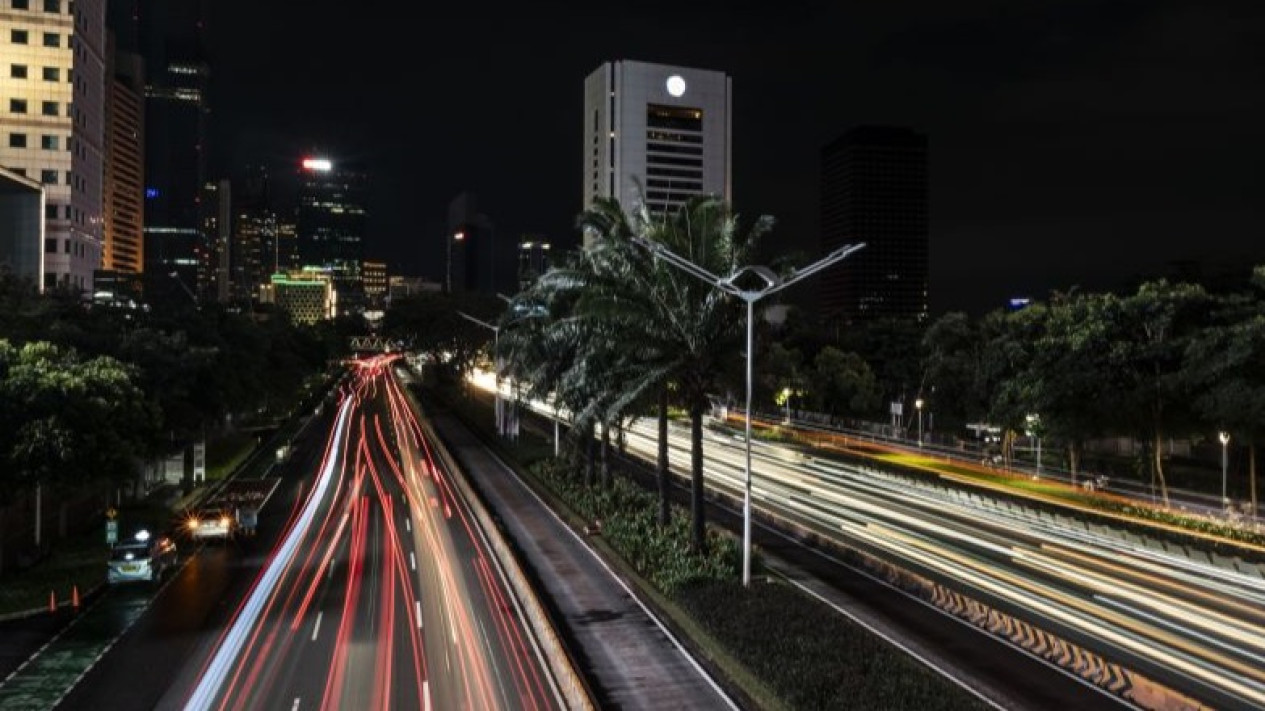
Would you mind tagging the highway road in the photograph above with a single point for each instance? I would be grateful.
(382, 592)
(1193, 626)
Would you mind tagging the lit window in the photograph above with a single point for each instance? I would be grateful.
(17, 71)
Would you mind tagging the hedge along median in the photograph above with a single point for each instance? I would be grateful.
(783, 649)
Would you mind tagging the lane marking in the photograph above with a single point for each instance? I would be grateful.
(316, 627)
(295, 705)
(417, 607)
(412, 560)
(426, 693)
(408, 522)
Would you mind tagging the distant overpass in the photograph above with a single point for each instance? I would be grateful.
(374, 344)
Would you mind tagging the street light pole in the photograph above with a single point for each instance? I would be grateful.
(1225, 441)
(496, 366)
(918, 406)
(772, 284)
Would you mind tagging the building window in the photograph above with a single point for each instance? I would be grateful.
(70, 179)
(18, 36)
(50, 245)
(50, 279)
(48, 177)
(49, 108)
(17, 71)
(21, 4)
(48, 143)
(52, 5)
(52, 39)
(65, 246)
(50, 213)
(66, 212)
(51, 74)
(17, 140)
(17, 106)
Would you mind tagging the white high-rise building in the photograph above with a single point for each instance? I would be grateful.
(667, 128)
(52, 94)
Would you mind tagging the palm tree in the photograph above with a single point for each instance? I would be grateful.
(636, 329)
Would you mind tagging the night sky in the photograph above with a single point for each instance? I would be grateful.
(1070, 143)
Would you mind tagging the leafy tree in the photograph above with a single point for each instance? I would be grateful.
(843, 383)
(1226, 370)
(68, 421)
(1154, 328)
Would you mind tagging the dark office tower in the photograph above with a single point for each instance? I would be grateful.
(476, 263)
(874, 190)
(331, 225)
(169, 37)
(255, 250)
(124, 188)
(217, 255)
(533, 259)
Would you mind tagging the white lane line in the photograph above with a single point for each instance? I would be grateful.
(295, 705)
(408, 522)
(412, 560)
(426, 693)
(317, 627)
(417, 607)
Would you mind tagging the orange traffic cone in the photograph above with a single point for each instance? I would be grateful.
(74, 597)
(52, 601)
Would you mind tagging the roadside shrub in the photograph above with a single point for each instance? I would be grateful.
(628, 522)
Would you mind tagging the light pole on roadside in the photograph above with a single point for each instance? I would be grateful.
(1033, 430)
(918, 406)
(496, 367)
(1225, 441)
(772, 283)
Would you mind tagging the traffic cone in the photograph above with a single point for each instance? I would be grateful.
(74, 597)
(52, 601)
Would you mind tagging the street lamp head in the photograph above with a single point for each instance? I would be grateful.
(1224, 437)
(767, 275)
(918, 403)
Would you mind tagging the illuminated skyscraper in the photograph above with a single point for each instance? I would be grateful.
(667, 128)
(874, 190)
(124, 188)
(331, 224)
(51, 125)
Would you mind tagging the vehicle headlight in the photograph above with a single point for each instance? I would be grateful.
(193, 524)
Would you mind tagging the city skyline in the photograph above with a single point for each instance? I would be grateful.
(1071, 144)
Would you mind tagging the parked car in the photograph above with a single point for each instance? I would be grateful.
(144, 558)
